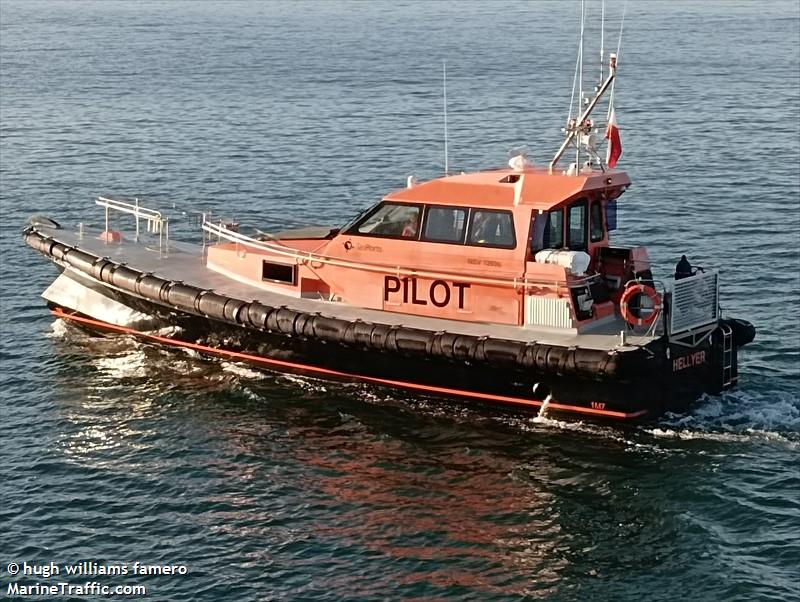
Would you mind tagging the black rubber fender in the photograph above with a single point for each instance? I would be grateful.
(80, 260)
(743, 331)
(378, 334)
(125, 278)
(211, 304)
(37, 241)
(231, 310)
(59, 251)
(98, 265)
(330, 329)
(183, 296)
(304, 325)
(257, 314)
(107, 271)
(500, 351)
(150, 286)
(412, 341)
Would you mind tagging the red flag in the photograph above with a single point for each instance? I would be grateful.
(612, 135)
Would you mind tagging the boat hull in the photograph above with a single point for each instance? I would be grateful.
(628, 383)
(478, 382)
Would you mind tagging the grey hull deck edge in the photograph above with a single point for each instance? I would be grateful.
(186, 262)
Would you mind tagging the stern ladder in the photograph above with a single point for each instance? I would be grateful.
(727, 356)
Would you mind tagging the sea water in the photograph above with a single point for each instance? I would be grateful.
(286, 114)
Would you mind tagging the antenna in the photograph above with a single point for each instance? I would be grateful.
(616, 58)
(580, 82)
(621, 25)
(444, 100)
(602, 35)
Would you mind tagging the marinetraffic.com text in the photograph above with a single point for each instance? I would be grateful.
(84, 578)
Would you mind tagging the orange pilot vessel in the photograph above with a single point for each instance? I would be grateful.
(496, 287)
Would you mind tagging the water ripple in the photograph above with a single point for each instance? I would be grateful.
(278, 487)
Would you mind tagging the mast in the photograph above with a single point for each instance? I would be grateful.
(581, 124)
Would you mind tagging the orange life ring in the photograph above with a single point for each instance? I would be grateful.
(632, 291)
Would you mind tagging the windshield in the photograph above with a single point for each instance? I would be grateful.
(357, 217)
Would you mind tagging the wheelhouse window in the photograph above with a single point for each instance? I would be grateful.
(576, 226)
(492, 229)
(554, 230)
(445, 224)
(596, 233)
(390, 220)
(611, 215)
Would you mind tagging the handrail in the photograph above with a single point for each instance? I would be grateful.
(156, 222)
(305, 257)
(694, 302)
(131, 208)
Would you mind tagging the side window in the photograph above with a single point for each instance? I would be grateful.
(554, 230)
(390, 220)
(492, 229)
(596, 233)
(538, 223)
(445, 224)
(611, 215)
(576, 226)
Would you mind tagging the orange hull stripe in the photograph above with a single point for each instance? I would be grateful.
(371, 379)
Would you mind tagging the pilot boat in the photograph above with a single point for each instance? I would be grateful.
(500, 287)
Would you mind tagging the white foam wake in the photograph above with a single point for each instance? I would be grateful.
(737, 417)
(242, 370)
(58, 329)
(129, 365)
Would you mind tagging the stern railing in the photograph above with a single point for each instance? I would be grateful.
(694, 302)
(693, 307)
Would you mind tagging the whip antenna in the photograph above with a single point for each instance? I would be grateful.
(621, 25)
(580, 79)
(444, 101)
(619, 45)
(602, 35)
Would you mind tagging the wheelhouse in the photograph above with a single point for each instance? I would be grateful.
(518, 247)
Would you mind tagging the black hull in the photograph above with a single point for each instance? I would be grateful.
(633, 384)
(475, 381)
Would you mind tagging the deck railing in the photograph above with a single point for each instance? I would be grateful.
(694, 302)
(155, 222)
(310, 258)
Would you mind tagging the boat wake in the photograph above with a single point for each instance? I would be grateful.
(242, 370)
(741, 417)
(62, 330)
(737, 417)
(132, 364)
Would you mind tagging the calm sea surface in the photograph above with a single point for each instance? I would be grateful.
(273, 487)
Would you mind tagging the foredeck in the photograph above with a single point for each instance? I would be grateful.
(186, 262)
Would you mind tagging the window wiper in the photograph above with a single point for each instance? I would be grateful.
(356, 218)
